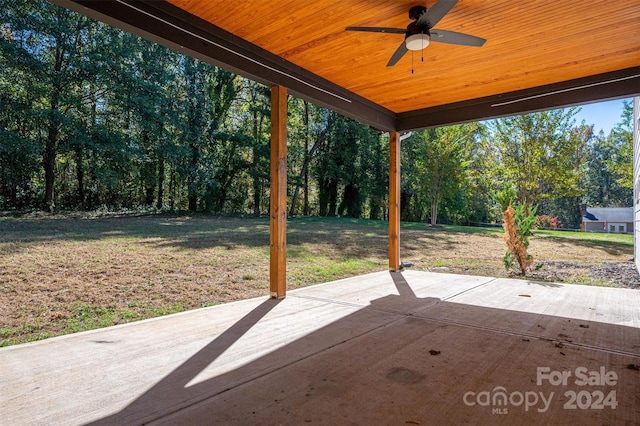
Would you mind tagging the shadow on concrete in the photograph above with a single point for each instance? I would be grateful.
(402, 360)
(162, 397)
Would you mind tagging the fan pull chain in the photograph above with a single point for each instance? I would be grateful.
(412, 62)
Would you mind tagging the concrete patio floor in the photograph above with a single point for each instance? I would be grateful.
(411, 348)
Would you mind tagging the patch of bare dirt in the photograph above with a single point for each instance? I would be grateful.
(614, 274)
(566, 261)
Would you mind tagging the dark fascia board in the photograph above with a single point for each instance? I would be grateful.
(170, 26)
(612, 85)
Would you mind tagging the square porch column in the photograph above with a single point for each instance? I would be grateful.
(278, 194)
(394, 201)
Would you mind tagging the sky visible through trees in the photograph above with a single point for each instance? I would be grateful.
(603, 115)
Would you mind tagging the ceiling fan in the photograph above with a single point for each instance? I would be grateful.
(419, 32)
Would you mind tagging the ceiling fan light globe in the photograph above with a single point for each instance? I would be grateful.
(417, 41)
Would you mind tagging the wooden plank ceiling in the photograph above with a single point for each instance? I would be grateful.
(538, 54)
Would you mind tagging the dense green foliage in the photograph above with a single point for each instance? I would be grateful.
(438, 165)
(94, 118)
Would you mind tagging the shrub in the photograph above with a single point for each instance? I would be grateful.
(546, 221)
(518, 223)
(516, 238)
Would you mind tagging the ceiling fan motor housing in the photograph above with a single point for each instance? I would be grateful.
(417, 36)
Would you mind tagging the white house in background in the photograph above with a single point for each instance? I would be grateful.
(608, 219)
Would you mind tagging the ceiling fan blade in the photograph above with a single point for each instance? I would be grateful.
(398, 54)
(377, 30)
(434, 14)
(452, 37)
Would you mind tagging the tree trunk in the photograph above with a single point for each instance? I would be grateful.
(333, 197)
(375, 206)
(149, 182)
(294, 199)
(257, 195)
(323, 198)
(434, 212)
(172, 189)
(304, 174)
(80, 148)
(257, 186)
(50, 151)
(306, 211)
(351, 201)
(193, 202)
(90, 196)
(161, 173)
(49, 164)
(191, 179)
(53, 131)
(80, 175)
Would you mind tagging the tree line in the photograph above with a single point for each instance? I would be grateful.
(92, 117)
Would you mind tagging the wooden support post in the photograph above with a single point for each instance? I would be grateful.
(394, 201)
(278, 203)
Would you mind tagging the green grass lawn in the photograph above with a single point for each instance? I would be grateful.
(588, 237)
(66, 274)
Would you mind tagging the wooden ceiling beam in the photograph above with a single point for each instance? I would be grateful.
(613, 85)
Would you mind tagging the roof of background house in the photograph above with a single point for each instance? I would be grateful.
(608, 214)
